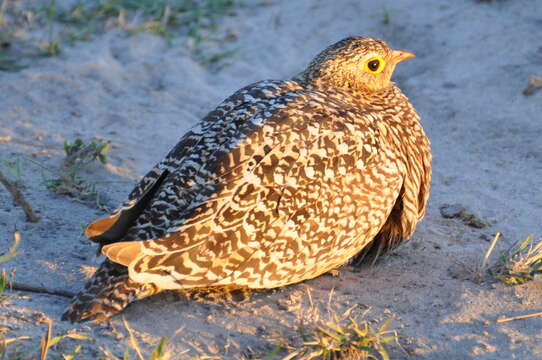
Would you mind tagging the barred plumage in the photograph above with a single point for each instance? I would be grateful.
(282, 182)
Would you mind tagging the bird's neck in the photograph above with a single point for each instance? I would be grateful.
(314, 78)
(358, 94)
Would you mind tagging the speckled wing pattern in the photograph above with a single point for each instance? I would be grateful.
(279, 184)
(275, 188)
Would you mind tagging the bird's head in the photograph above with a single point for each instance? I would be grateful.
(355, 63)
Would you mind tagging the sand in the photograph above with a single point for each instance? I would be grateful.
(141, 94)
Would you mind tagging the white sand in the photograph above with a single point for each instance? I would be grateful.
(473, 62)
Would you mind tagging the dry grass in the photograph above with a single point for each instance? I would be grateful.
(522, 262)
(350, 339)
(12, 250)
(160, 352)
(49, 342)
(10, 254)
(330, 335)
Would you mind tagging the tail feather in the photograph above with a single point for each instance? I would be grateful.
(108, 291)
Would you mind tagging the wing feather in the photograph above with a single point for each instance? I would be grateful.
(183, 166)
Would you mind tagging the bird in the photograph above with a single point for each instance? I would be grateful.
(284, 181)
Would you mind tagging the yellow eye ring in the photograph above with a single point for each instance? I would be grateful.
(374, 65)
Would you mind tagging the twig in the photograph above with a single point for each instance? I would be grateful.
(45, 342)
(40, 289)
(19, 198)
(489, 251)
(133, 340)
(501, 320)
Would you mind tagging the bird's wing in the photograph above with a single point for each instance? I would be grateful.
(237, 192)
(183, 164)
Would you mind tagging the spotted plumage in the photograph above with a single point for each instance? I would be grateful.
(282, 182)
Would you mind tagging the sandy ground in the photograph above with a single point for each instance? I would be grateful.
(473, 61)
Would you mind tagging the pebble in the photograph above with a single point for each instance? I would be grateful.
(450, 211)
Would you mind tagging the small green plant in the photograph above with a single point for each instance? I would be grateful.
(337, 336)
(3, 281)
(354, 340)
(78, 156)
(52, 46)
(160, 352)
(385, 16)
(522, 262)
(15, 169)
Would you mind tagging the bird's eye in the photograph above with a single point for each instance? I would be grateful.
(375, 65)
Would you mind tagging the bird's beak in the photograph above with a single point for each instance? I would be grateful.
(400, 55)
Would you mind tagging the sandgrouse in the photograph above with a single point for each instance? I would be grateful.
(282, 182)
